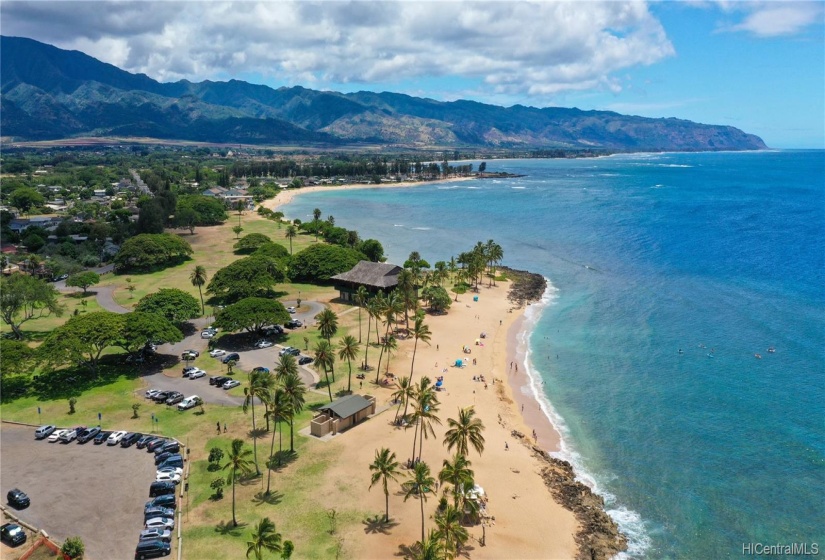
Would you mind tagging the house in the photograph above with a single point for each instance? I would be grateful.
(214, 192)
(101, 193)
(341, 414)
(373, 276)
(19, 225)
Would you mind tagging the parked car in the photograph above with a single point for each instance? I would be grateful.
(303, 360)
(44, 431)
(196, 374)
(263, 344)
(260, 369)
(13, 534)
(169, 446)
(116, 437)
(174, 398)
(59, 278)
(208, 334)
(218, 380)
(152, 548)
(173, 461)
(152, 445)
(188, 369)
(56, 435)
(161, 396)
(151, 393)
(230, 357)
(69, 435)
(150, 534)
(273, 330)
(230, 384)
(18, 499)
(101, 437)
(294, 324)
(291, 309)
(161, 488)
(161, 457)
(189, 402)
(87, 434)
(160, 522)
(130, 439)
(169, 469)
(217, 352)
(167, 475)
(157, 511)
(189, 354)
(167, 501)
(290, 350)
(144, 441)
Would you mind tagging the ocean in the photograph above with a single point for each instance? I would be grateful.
(670, 278)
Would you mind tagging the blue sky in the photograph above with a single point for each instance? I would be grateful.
(755, 65)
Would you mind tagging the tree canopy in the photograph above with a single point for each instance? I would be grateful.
(18, 357)
(244, 278)
(175, 305)
(149, 250)
(251, 314)
(373, 249)
(81, 340)
(83, 280)
(26, 198)
(437, 298)
(322, 262)
(141, 328)
(23, 298)
(209, 210)
(271, 251)
(251, 242)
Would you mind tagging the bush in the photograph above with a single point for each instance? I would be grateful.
(215, 458)
(217, 485)
(72, 403)
(73, 547)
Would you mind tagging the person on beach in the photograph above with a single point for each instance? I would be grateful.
(506, 446)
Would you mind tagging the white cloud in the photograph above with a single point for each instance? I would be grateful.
(779, 19)
(532, 48)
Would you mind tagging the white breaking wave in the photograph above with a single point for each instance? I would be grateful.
(422, 228)
(518, 187)
(630, 522)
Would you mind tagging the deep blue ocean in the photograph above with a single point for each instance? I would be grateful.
(721, 255)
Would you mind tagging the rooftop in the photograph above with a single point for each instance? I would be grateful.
(381, 275)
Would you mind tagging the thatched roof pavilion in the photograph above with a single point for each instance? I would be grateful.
(373, 276)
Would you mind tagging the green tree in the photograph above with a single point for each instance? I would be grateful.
(321, 262)
(251, 392)
(404, 391)
(327, 322)
(23, 298)
(140, 329)
(151, 218)
(247, 277)
(465, 431)
(459, 474)
(287, 551)
(237, 231)
(187, 218)
(406, 289)
(251, 314)
(348, 350)
(82, 340)
(147, 251)
(431, 548)
(373, 250)
(274, 251)
(391, 308)
(384, 468)
(26, 198)
(175, 305)
(18, 357)
(295, 390)
(419, 485)
(264, 538)
(425, 413)
(361, 295)
(420, 332)
(237, 463)
(325, 358)
(217, 485)
(291, 233)
(83, 280)
(437, 298)
(249, 243)
(278, 410)
(450, 531)
(198, 278)
(209, 210)
(73, 547)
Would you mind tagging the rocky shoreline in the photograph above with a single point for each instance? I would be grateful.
(527, 287)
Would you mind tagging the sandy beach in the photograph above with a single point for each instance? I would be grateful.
(526, 521)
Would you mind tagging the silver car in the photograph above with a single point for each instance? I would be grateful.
(164, 523)
(151, 534)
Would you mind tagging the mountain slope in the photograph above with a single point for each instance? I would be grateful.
(50, 93)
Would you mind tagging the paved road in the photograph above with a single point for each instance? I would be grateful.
(103, 294)
(94, 491)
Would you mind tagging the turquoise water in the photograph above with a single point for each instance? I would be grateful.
(716, 254)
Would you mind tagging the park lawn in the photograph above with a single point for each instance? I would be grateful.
(36, 330)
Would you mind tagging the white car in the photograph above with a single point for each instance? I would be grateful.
(291, 309)
(263, 344)
(217, 353)
(207, 334)
(68, 436)
(151, 393)
(231, 383)
(168, 477)
(195, 373)
(160, 523)
(189, 402)
(174, 470)
(115, 438)
(56, 435)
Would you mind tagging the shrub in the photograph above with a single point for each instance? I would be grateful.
(72, 403)
(73, 547)
(217, 485)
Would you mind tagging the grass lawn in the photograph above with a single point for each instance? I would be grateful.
(36, 330)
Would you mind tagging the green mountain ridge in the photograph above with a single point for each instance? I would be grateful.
(49, 93)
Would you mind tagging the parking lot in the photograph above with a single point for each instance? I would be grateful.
(92, 491)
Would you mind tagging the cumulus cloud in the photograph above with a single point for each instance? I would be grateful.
(777, 19)
(507, 48)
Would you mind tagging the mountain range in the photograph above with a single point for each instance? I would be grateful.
(50, 93)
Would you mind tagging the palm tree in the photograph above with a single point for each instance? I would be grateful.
(348, 350)
(374, 307)
(278, 409)
(420, 484)
(198, 278)
(325, 358)
(384, 468)
(390, 345)
(393, 305)
(327, 322)
(291, 233)
(250, 392)
(295, 390)
(459, 474)
(265, 384)
(451, 267)
(237, 461)
(403, 394)
(406, 287)
(264, 537)
(426, 409)
(430, 548)
(286, 365)
(420, 332)
(464, 432)
(360, 297)
(450, 531)
(495, 253)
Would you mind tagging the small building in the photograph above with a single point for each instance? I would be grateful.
(341, 414)
(373, 276)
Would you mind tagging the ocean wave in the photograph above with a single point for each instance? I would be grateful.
(398, 225)
(447, 188)
(660, 186)
(474, 188)
(422, 228)
(518, 187)
(630, 522)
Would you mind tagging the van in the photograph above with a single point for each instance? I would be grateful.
(152, 549)
(173, 461)
(43, 432)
